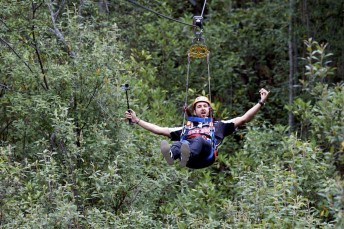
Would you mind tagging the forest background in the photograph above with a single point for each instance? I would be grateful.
(68, 159)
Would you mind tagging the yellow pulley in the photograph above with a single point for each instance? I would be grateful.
(198, 51)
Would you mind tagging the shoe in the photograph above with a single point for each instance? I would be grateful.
(165, 150)
(185, 154)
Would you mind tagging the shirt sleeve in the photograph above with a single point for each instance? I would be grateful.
(175, 133)
(229, 128)
(224, 128)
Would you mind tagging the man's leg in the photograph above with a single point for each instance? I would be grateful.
(165, 150)
(193, 147)
(185, 154)
(200, 150)
(181, 150)
(199, 146)
(175, 150)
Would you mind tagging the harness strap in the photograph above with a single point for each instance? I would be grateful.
(213, 141)
(198, 119)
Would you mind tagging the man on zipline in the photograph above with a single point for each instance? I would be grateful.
(195, 145)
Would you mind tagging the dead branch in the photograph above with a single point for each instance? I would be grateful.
(56, 31)
(61, 6)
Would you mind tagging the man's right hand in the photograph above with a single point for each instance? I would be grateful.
(131, 115)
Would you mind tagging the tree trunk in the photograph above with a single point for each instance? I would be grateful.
(103, 6)
(291, 45)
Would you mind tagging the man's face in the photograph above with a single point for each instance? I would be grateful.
(202, 109)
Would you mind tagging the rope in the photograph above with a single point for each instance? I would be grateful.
(190, 55)
(209, 78)
(159, 14)
(205, 2)
(187, 89)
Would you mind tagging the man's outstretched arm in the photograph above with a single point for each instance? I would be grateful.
(146, 125)
(248, 116)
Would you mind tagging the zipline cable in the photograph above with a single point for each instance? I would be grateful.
(159, 14)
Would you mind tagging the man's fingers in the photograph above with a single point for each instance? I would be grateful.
(263, 91)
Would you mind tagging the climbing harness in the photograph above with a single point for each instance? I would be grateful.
(210, 137)
(199, 50)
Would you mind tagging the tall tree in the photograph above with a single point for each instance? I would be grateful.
(292, 62)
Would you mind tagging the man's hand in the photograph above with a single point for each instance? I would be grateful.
(263, 95)
(131, 115)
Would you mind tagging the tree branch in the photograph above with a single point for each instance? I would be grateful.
(34, 9)
(4, 86)
(56, 31)
(56, 14)
(4, 23)
(95, 91)
(14, 51)
(6, 127)
(81, 5)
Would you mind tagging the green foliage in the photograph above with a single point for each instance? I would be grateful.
(317, 67)
(319, 108)
(280, 186)
(67, 160)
